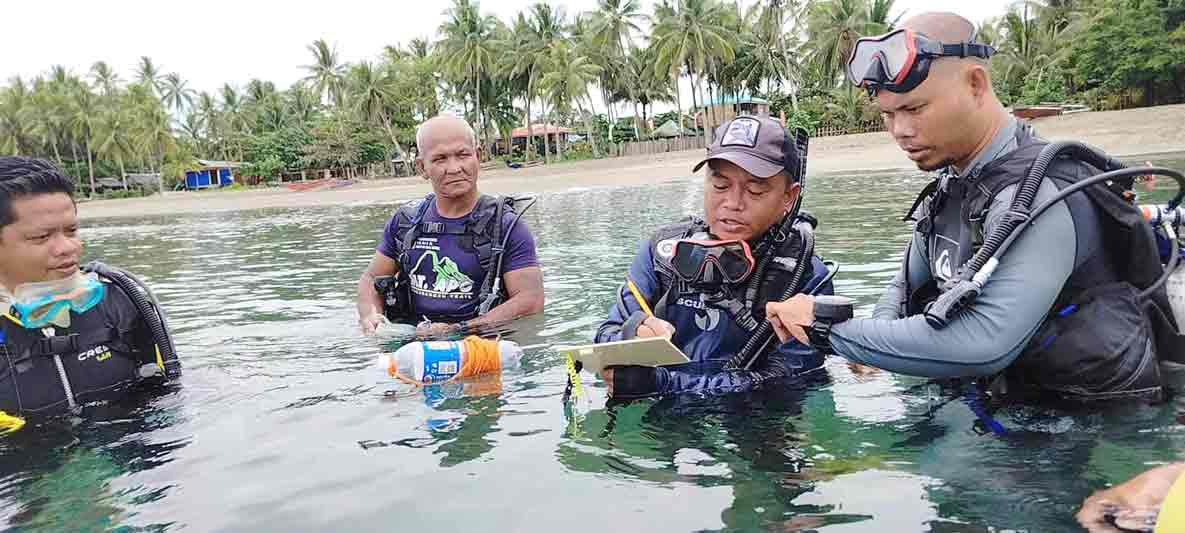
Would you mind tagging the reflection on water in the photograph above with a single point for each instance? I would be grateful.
(282, 423)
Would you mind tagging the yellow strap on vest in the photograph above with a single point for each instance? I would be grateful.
(9, 423)
(14, 319)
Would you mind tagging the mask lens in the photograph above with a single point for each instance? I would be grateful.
(38, 311)
(891, 51)
(712, 261)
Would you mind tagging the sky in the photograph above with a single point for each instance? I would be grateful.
(219, 41)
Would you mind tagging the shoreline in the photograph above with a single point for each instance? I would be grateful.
(1143, 133)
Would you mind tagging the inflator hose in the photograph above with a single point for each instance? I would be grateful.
(1027, 193)
(484, 307)
(150, 310)
(749, 353)
(1093, 180)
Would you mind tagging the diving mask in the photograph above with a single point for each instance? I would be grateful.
(712, 262)
(50, 302)
(899, 61)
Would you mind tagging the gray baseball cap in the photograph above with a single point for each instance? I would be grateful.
(760, 145)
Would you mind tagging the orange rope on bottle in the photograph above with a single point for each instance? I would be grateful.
(481, 356)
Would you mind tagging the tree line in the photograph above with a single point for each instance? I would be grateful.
(548, 66)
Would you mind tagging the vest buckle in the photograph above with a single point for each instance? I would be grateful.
(57, 345)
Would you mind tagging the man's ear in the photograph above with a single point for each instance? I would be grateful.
(979, 81)
(420, 168)
(791, 197)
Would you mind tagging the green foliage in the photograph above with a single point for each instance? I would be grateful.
(1048, 87)
(281, 146)
(269, 167)
(1125, 45)
(547, 65)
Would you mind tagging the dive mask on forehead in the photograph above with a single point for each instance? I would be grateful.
(49, 302)
(712, 262)
(899, 61)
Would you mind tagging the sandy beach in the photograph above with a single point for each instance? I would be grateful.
(1130, 133)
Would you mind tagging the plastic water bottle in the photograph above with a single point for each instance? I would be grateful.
(436, 361)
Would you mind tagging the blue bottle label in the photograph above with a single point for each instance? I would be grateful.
(442, 361)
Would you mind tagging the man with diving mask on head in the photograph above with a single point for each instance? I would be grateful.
(71, 335)
(707, 280)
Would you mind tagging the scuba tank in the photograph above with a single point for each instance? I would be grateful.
(1163, 217)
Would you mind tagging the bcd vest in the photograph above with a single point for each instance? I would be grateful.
(44, 369)
(480, 233)
(744, 302)
(1099, 341)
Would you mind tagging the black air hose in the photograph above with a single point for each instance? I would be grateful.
(1102, 178)
(150, 310)
(760, 337)
(1027, 193)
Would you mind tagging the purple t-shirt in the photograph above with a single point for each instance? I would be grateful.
(445, 278)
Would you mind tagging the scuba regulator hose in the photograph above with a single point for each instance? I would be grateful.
(974, 275)
(764, 333)
(150, 310)
(484, 307)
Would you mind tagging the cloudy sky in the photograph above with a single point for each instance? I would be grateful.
(217, 41)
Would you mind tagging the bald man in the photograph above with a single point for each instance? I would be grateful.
(1057, 317)
(441, 262)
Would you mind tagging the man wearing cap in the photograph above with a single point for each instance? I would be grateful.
(707, 280)
(1060, 315)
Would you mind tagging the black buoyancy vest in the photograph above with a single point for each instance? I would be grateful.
(1116, 253)
(97, 355)
(480, 233)
(748, 314)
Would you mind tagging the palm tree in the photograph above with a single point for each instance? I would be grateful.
(371, 92)
(105, 78)
(301, 103)
(691, 34)
(83, 110)
(148, 73)
(566, 82)
(233, 117)
(1028, 46)
(613, 24)
(326, 71)
(833, 26)
(468, 48)
(112, 135)
(175, 92)
(547, 23)
(14, 123)
(154, 135)
(45, 115)
(520, 64)
(207, 110)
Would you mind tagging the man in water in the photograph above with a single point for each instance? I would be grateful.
(707, 281)
(69, 339)
(1054, 315)
(457, 259)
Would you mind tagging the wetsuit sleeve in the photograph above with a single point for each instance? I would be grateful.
(626, 313)
(987, 336)
(787, 360)
(917, 268)
(520, 247)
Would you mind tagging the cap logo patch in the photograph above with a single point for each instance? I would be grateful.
(742, 132)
